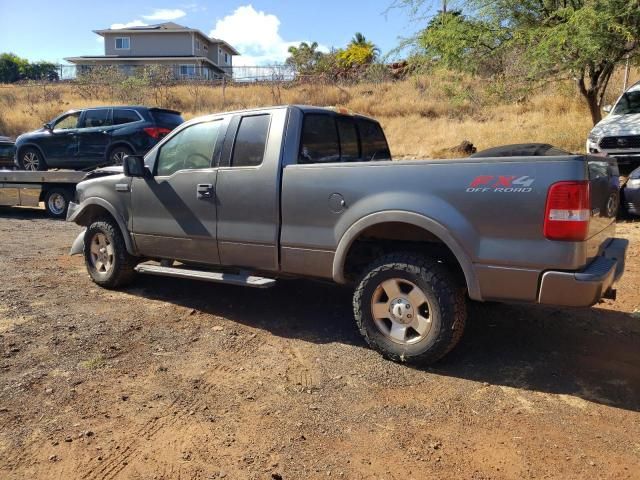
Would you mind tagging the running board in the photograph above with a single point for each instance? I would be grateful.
(243, 280)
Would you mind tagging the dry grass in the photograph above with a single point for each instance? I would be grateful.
(421, 115)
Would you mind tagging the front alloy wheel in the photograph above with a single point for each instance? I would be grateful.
(105, 254)
(31, 160)
(101, 254)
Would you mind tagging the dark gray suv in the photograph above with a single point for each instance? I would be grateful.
(88, 138)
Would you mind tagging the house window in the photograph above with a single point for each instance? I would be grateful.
(122, 43)
(206, 48)
(197, 44)
(187, 70)
(226, 58)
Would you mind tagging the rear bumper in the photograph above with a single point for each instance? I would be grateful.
(586, 287)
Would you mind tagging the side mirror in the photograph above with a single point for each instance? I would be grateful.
(134, 166)
(607, 108)
(47, 126)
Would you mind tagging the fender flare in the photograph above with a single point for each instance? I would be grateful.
(426, 223)
(77, 217)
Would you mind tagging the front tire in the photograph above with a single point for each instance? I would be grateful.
(56, 202)
(409, 308)
(106, 257)
(32, 160)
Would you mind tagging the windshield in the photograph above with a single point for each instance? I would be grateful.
(629, 103)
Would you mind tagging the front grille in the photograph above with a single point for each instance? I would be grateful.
(614, 143)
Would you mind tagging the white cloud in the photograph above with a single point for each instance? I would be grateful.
(255, 34)
(165, 14)
(134, 23)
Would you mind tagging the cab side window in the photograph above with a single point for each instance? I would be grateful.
(96, 118)
(190, 149)
(251, 141)
(122, 116)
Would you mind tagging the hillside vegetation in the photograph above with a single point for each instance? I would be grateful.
(422, 115)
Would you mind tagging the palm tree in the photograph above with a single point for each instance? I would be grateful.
(361, 41)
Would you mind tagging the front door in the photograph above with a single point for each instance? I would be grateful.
(94, 136)
(60, 145)
(174, 211)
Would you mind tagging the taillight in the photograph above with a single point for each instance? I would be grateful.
(157, 132)
(568, 211)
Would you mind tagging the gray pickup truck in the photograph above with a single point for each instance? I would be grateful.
(253, 196)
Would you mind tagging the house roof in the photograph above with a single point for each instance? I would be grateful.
(165, 27)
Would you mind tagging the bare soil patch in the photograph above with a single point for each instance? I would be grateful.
(177, 379)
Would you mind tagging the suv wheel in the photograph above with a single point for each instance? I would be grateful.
(409, 308)
(116, 156)
(31, 159)
(56, 202)
(105, 254)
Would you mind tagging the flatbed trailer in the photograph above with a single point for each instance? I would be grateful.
(56, 188)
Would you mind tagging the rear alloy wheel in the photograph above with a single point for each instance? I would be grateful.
(31, 159)
(116, 157)
(410, 308)
(56, 202)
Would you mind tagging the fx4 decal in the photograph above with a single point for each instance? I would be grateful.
(501, 184)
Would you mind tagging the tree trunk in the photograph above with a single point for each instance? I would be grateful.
(592, 99)
(590, 95)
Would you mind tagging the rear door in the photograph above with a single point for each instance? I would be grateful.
(248, 191)
(94, 135)
(174, 211)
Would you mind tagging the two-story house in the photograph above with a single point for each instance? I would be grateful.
(187, 51)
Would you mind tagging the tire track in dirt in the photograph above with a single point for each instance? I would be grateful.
(118, 461)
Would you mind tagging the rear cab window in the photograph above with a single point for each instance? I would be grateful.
(328, 138)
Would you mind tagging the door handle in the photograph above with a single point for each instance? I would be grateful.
(204, 190)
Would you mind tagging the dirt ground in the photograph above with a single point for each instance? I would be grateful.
(182, 380)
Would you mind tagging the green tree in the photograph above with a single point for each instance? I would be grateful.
(358, 53)
(582, 40)
(304, 58)
(12, 67)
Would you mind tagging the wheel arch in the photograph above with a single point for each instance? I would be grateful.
(118, 143)
(22, 147)
(95, 207)
(429, 227)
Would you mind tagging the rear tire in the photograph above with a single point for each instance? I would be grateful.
(106, 257)
(409, 308)
(31, 159)
(56, 202)
(116, 156)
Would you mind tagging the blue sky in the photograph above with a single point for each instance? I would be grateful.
(260, 29)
